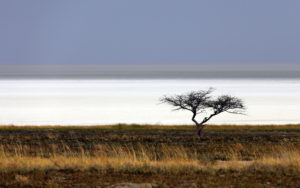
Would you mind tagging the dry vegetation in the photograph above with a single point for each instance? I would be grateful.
(143, 159)
(170, 156)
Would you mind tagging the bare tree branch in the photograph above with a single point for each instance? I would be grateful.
(201, 102)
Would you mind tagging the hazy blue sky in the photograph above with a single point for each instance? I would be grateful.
(149, 31)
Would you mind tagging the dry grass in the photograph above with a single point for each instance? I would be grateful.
(163, 158)
(282, 156)
(225, 156)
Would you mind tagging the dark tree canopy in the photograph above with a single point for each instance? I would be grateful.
(202, 102)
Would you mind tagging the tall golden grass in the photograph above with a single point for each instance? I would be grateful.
(142, 158)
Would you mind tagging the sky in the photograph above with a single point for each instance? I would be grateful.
(149, 32)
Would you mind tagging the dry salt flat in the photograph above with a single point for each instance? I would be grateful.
(108, 101)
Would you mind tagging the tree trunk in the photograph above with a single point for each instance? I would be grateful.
(199, 126)
(199, 129)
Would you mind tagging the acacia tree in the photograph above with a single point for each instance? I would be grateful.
(201, 102)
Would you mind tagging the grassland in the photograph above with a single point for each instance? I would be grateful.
(167, 156)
